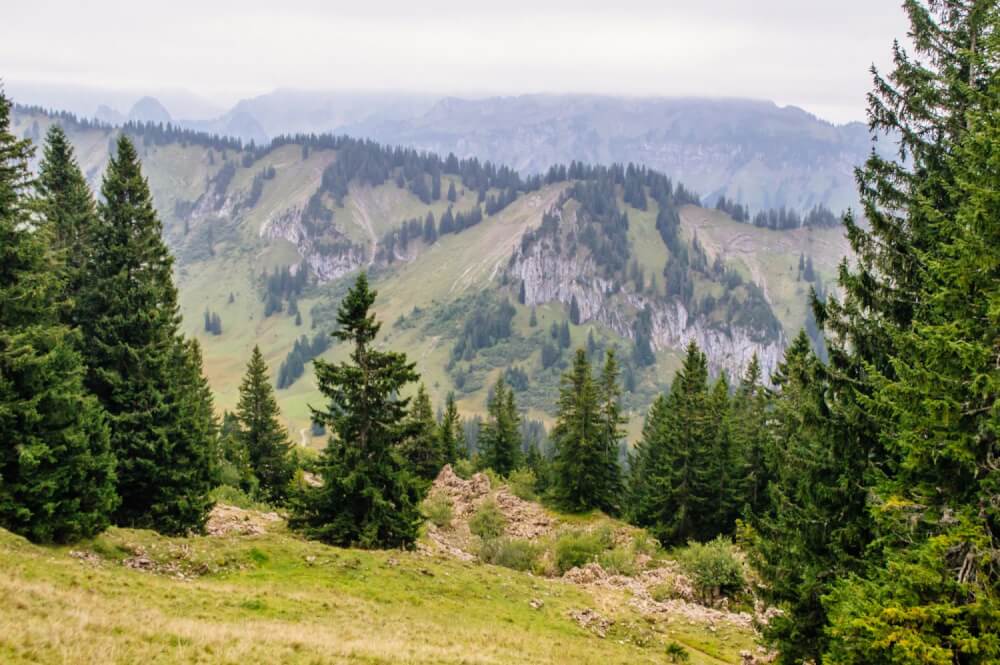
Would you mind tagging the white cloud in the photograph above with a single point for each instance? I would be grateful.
(811, 54)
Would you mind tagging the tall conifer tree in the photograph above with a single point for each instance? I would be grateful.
(934, 597)
(500, 436)
(450, 434)
(671, 489)
(423, 448)
(578, 466)
(139, 366)
(56, 468)
(804, 532)
(369, 497)
(69, 210)
(265, 439)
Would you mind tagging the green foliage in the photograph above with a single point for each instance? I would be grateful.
(451, 438)
(464, 468)
(422, 448)
(512, 553)
(234, 496)
(671, 487)
(500, 437)
(578, 548)
(932, 595)
(522, 483)
(369, 497)
(56, 468)
(147, 377)
(677, 653)
(487, 522)
(265, 439)
(438, 509)
(715, 568)
(619, 560)
(587, 434)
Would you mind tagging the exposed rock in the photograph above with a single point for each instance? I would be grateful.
(551, 276)
(86, 557)
(327, 262)
(225, 520)
(592, 621)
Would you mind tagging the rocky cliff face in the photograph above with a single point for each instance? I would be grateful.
(551, 276)
(328, 261)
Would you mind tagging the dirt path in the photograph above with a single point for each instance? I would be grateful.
(303, 439)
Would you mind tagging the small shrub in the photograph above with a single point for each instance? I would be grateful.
(714, 568)
(663, 592)
(464, 468)
(620, 561)
(643, 543)
(487, 522)
(577, 548)
(522, 484)
(438, 509)
(509, 553)
(677, 654)
(234, 496)
(494, 477)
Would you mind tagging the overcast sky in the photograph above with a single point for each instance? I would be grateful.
(803, 52)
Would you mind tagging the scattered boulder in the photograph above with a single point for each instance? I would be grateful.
(226, 520)
(592, 621)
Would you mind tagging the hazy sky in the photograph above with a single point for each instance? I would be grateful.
(804, 52)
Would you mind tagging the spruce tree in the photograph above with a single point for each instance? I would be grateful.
(145, 375)
(56, 468)
(234, 458)
(265, 439)
(612, 432)
(751, 442)
(68, 207)
(925, 103)
(423, 449)
(500, 436)
(671, 485)
(725, 468)
(805, 534)
(368, 497)
(450, 434)
(579, 463)
(933, 598)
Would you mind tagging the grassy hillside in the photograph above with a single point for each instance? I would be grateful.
(133, 596)
(225, 241)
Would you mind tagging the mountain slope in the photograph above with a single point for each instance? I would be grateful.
(645, 267)
(752, 151)
(251, 591)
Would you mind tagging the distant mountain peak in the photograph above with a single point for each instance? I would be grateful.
(149, 109)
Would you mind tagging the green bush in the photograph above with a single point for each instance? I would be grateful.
(677, 653)
(234, 496)
(509, 553)
(487, 522)
(464, 468)
(493, 476)
(619, 561)
(577, 548)
(522, 484)
(438, 509)
(714, 567)
(643, 543)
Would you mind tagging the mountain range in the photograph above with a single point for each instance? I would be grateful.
(481, 271)
(751, 151)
